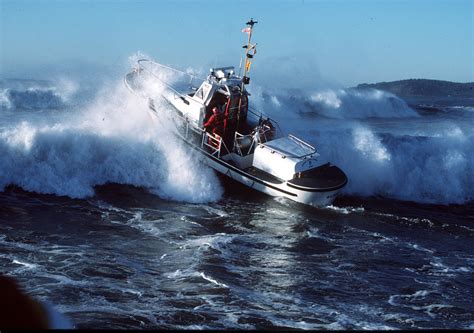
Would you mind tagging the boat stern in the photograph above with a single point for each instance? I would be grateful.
(318, 186)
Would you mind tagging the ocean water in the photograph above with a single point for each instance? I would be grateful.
(104, 214)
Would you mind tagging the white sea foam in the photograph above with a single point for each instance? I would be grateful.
(316, 233)
(332, 103)
(214, 281)
(419, 162)
(346, 210)
(25, 264)
(327, 98)
(214, 211)
(5, 102)
(217, 242)
(113, 140)
(32, 95)
(435, 170)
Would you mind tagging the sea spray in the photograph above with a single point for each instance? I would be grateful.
(111, 140)
(37, 95)
(434, 169)
(385, 147)
(331, 103)
(408, 159)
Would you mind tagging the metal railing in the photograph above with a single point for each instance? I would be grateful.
(142, 67)
(238, 143)
(211, 140)
(214, 141)
(304, 143)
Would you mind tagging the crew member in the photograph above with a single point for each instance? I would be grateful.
(215, 123)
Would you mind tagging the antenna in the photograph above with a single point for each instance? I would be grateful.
(249, 47)
(251, 22)
(240, 66)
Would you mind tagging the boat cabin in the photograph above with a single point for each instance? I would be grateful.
(223, 90)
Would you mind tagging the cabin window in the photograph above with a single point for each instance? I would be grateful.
(203, 91)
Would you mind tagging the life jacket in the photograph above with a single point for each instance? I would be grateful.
(216, 124)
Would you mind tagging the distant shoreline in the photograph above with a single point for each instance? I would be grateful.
(418, 88)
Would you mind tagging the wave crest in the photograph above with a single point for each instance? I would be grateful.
(422, 169)
(36, 95)
(113, 140)
(335, 103)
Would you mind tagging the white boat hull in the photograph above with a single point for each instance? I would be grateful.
(283, 167)
(313, 198)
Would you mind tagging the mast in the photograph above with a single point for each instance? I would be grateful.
(249, 47)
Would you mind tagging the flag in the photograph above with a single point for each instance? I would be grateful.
(247, 66)
(246, 30)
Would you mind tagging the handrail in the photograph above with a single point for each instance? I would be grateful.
(166, 84)
(204, 135)
(128, 86)
(167, 67)
(237, 138)
(259, 114)
(215, 142)
(291, 136)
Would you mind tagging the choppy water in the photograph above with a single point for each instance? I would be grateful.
(101, 215)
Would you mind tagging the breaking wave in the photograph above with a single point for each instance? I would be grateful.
(334, 103)
(437, 169)
(112, 140)
(422, 163)
(36, 95)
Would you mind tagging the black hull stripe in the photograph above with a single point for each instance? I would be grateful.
(308, 189)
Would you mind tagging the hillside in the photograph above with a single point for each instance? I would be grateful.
(424, 87)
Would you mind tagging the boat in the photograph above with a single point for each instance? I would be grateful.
(244, 144)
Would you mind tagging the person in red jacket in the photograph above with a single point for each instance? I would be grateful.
(215, 123)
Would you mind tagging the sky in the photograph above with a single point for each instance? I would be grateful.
(346, 42)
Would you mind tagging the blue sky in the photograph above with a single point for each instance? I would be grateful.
(347, 42)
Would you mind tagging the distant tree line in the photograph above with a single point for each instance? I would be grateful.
(423, 87)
